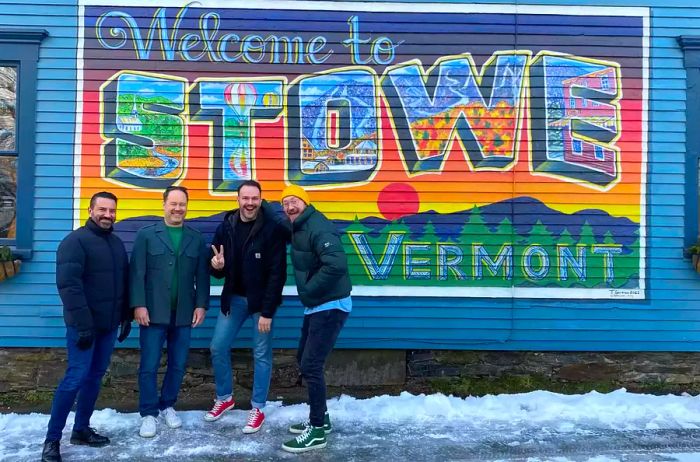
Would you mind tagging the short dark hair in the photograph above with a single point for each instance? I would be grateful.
(102, 194)
(170, 189)
(249, 183)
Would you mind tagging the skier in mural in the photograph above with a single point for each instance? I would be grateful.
(323, 284)
(249, 251)
(92, 280)
(169, 288)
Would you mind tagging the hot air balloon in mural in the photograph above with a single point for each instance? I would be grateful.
(239, 95)
(271, 99)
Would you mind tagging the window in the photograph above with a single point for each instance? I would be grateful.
(599, 154)
(19, 53)
(605, 82)
(8, 152)
(691, 54)
(576, 145)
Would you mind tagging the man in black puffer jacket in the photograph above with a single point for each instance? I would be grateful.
(92, 280)
(323, 283)
(250, 252)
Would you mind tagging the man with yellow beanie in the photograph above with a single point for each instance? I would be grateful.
(323, 284)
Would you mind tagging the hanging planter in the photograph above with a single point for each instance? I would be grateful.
(694, 252)
(9, 267)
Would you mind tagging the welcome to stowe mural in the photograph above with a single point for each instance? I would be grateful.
(463, 150)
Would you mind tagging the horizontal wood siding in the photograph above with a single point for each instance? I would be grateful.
(667, 319)
(29, 304)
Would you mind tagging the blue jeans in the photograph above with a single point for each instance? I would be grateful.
(318, 335)
(225, 332)
(83, 379)
(152, 339)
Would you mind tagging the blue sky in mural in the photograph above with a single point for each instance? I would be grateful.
(361, 100)
(146, 87)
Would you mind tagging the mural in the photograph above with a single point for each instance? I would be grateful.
(478, 150)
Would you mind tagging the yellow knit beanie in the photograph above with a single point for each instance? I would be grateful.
(298, 191)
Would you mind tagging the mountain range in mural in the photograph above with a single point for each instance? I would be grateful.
(523, 213)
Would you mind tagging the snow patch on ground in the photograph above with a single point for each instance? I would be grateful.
(527, 427)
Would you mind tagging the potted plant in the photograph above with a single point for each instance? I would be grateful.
(9, 266)
(694, 253)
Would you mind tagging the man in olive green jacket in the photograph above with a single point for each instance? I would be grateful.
(323, 283)
(169, 293)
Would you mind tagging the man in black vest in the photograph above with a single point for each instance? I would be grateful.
(92, 279)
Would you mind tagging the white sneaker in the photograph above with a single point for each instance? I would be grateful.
(171, 418)
(148, 427)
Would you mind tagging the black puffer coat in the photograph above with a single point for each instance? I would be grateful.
(92, 273)
(320, 264)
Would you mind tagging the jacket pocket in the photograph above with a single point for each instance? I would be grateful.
(156, 256)
(192, 252)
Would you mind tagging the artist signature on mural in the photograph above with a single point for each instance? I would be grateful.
(625, 293)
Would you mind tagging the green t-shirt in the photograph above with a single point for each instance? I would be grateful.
(175, 234)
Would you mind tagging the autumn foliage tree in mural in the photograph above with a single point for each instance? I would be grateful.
(494, 128)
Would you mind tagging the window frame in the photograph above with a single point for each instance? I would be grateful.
(20, 48)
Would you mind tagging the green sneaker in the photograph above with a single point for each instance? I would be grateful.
(300, 427)
(312, 438)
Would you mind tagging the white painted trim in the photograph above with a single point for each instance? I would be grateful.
(542, 293)
(645, 150)
(397, 7)
(77, 147)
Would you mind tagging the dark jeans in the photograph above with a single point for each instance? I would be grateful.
(152, 339)
(83, 379)
(318, 335)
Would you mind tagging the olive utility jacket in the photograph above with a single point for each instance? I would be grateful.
(151, 271)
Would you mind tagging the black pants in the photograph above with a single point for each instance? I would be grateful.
(318, 335)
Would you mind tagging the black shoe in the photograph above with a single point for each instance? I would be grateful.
(51, 452)
(88, 437)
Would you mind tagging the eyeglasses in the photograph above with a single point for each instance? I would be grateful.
(292, 201)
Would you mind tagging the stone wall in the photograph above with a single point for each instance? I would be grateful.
(624, 368)
(38, 370)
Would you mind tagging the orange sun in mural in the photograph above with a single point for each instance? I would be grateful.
(397, 200)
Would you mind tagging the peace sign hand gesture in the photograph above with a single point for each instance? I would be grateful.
(217, 261)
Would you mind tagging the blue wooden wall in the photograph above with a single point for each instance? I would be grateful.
(668, 319)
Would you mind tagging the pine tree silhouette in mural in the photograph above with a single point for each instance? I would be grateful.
(355, 227)
(355, 264)
(594, 269)
(429, 232)
(539, 237)
(474, 230)
(546, 251)
(565, 238)
(568, 241)
(631, 269)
